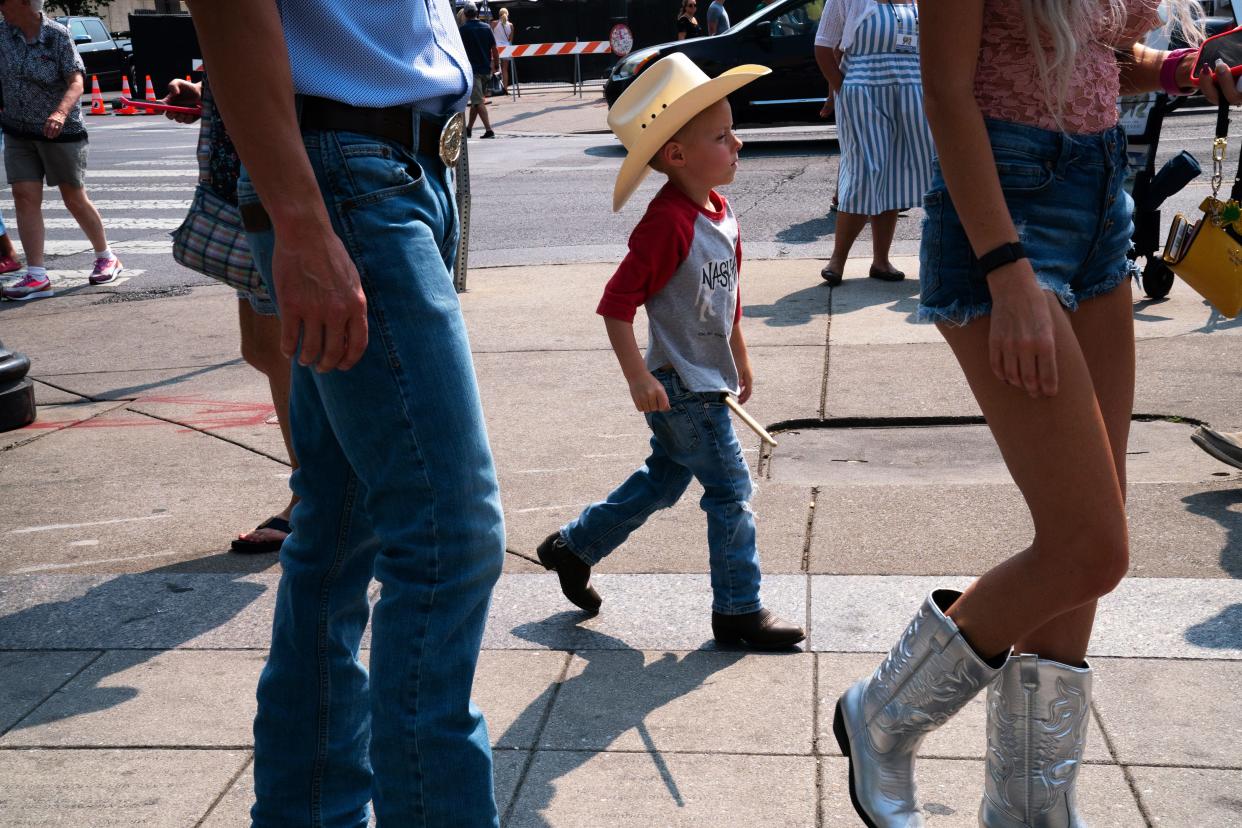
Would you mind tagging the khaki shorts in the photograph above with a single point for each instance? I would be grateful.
(57, 163)
(476, 91)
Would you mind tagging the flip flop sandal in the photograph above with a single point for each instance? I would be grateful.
(887, 275)
(246, 547)
(832, 277)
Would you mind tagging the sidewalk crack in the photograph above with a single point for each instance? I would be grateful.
(539, 729)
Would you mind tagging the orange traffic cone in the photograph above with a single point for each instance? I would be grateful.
(97, 101)
(150, 96)
(128, 109)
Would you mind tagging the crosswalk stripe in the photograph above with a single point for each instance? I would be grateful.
(118, 223)
(104, 205)
(190, 172)
(70, 247)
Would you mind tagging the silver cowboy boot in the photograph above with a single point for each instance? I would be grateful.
(1037, 729)
(881, 720)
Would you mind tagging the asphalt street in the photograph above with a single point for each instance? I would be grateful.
(537, 199)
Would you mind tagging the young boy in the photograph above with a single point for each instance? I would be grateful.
(683, 265)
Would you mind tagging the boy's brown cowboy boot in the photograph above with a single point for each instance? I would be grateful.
(574, 573)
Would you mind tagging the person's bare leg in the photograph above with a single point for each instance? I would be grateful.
(260, 346)
(28, 207)
(1059, 452)
(474, 114)
(849, 225)
(84, 212)
(6, 246)
(883, 228)
(487, 121)
(1104, 327)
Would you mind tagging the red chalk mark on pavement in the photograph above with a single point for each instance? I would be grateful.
(210, 414)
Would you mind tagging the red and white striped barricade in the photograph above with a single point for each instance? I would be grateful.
(577, 48)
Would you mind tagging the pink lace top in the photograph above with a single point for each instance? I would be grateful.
(1007, 83)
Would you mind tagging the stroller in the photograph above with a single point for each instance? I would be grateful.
(1142, 116)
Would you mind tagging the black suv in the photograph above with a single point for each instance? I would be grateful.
(781, 36)
(103, 56)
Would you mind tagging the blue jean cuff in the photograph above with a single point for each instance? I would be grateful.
(744, 609)
(569, 544)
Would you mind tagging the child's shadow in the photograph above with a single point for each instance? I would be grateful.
(612, 694)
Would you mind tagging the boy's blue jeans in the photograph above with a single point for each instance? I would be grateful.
(694, 439)
(397, 483)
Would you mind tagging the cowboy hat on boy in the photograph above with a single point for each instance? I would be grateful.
(660, 102)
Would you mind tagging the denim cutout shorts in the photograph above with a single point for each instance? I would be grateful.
(1065, 195)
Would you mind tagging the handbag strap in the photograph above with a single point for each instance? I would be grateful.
(1218, 153)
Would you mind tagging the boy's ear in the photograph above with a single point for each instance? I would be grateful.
(673, 154)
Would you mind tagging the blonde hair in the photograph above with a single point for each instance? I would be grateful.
(1053, 30)
(504, 14)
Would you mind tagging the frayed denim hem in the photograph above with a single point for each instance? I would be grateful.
(961, 313)
(955, 313)
(1129, 270)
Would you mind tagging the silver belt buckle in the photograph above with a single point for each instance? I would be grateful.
(450, 139)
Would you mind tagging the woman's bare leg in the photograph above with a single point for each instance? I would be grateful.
(1105, 330)
(1061, 456)
(849, 225)
(883, 228)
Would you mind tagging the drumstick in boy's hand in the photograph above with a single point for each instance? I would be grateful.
(750, 421)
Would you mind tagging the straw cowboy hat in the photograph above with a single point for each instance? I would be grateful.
(659, 102)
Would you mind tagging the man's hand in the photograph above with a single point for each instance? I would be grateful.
(648, 393)
(53, 125)
(183, 93)
(320, 298)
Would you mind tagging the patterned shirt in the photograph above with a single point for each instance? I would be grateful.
(377, 53)
(35, 76)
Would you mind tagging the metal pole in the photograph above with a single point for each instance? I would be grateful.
(578, 73)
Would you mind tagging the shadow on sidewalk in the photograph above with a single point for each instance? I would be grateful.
(142, 614)
(613, 694)
(1225, 630)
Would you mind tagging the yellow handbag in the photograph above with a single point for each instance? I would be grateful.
(1208, 254)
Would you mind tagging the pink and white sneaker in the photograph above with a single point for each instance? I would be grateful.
(8, 264)
(106, 269)
(30, 287)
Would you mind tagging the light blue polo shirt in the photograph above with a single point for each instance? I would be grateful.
(377, 52)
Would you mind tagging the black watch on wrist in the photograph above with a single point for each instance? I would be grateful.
(1001, 256)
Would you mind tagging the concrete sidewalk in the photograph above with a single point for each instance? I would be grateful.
(130, 640)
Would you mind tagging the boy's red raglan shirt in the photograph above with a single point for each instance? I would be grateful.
(683, 264)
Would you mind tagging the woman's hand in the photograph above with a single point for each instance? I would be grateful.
(183, 93)
(1218, 82)
(1022, 348)
(828, 108)
(53, 125)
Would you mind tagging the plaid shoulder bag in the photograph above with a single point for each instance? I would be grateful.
(212, 240)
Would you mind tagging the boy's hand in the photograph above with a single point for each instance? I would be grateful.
(745, 381)
(649, 394)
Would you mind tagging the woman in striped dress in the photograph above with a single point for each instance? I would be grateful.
(868, 51)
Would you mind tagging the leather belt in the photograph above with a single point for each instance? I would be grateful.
(422, 133)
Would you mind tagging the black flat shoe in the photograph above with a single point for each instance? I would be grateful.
(574, 574)
(887, 275)
(760, 630)
(832, 277)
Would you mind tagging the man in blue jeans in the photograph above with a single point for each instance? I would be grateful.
(349, 207)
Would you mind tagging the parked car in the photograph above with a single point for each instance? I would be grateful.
(104, 56)
(781, 36)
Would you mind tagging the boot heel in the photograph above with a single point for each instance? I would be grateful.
(838, 730)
